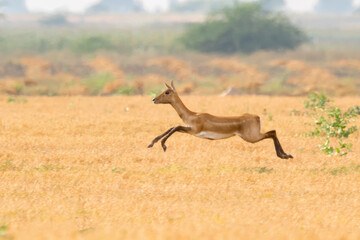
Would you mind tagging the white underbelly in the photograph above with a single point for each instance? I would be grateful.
(214, 135)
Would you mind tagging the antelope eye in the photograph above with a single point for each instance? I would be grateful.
(167, 92)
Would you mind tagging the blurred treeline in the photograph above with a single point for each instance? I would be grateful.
(88, 40)
(245, 48)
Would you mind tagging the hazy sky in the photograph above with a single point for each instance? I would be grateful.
(150, 5)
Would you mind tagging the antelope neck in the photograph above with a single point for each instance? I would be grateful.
(180, 108)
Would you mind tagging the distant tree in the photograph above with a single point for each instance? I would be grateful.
(55, 20)
(116, 6)
(272, 5)
(334, 6)
(245, 27)
(198, 5)
(14, 6)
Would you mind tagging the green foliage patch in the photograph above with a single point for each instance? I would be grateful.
(331, 124)
(243, 27)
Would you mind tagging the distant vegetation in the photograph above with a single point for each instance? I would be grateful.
(55, 20)
(198, 5)
(245, 27)
(87, 40)
(122, 6)
(83, 60)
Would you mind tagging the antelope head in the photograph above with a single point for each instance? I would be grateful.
(167, 96)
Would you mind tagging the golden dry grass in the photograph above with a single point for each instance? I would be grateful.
(78, 168)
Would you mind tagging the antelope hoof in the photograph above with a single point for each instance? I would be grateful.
(164, 147)
(285, 156)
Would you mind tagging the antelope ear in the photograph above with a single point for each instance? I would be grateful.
(167, 86)
(172, 85)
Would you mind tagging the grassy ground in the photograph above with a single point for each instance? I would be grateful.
(78, 168)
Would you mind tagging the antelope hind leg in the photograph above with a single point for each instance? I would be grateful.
(256, 136)
(279, 150)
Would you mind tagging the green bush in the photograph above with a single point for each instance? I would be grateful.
(244, 27)
(330, 123)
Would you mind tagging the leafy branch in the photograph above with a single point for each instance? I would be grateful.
(331, 124)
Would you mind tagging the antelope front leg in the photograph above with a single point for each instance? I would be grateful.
(172, 131)
(159, 137)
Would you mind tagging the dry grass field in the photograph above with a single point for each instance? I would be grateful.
(79, 168)
(197, 74)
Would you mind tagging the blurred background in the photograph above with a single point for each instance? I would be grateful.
(130, 47)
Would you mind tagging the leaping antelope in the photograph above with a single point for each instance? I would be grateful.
(211, 127)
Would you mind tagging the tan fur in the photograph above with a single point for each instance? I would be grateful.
(208, 126)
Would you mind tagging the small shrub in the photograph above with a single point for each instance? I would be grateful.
(331, 124)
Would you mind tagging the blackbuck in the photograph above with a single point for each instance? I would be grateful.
(211, 127)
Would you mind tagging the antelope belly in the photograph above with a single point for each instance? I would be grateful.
(214, 135)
